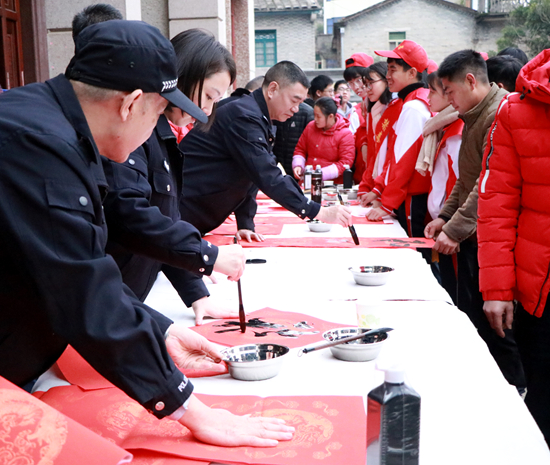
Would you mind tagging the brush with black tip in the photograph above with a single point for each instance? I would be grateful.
(242, 316)
(351, 228)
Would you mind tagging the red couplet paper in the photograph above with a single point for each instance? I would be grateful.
(77, 371)
(294, 330)
(268, 219)
(32, 432)
(329, 429)
(267, 229)
(332, 242)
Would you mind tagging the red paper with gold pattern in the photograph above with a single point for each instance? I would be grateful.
(78, 371)
(287, 320)
(329, 429)
(34, 433)
(332, 242)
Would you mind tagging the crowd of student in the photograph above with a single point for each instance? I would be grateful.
(457, 153)
(446, 149)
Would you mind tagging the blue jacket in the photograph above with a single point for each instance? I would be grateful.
(57, 285)
(224, 165)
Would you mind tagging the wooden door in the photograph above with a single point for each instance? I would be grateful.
(11, 64)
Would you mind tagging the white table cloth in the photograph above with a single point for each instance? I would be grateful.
(470, 414)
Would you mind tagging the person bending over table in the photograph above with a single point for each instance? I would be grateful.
(58, 285)
(224, 165)
(146, 235)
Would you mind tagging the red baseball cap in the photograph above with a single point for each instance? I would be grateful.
(432, 66)
(410, 52)
(359, 59)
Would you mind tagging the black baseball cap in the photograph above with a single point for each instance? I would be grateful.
(129, 55)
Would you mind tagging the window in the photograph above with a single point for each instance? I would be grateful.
(266, 48)
(330, 24)
(396, 38)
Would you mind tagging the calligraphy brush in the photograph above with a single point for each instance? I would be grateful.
(242, 316)
(351, 228)
(306, 350)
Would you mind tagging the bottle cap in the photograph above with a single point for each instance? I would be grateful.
(394, 374)
(346, 167)
(318, 167)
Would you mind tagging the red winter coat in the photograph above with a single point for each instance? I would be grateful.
(335, 146)
(514, 194)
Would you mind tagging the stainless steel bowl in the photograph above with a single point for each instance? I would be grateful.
(254, 362)
(361, 350)
(318, 226)
(371, 275)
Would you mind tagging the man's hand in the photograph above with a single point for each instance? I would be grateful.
(376, 214)
(298, 172)
(230, 261)
(500, 314)
(445, 245)
(249, 236)
(206, 307)
(337, 214)
(191, 351)
(433, 228)
(367, 199)
(223, 428)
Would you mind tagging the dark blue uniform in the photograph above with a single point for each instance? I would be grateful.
(57, 285)
(145, 234)
(224, 165)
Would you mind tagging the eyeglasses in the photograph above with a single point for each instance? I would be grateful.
(368, 83)
(343, 89)
(356, 83)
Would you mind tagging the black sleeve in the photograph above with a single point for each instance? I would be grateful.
(189, 286)
(51, 212)
(246, 211)
(245, 138)
(142, 229)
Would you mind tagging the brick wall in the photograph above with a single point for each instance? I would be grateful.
(440, 30)
(295, 37)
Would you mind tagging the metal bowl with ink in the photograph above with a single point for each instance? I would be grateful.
(254, 362)
(318, 226)
(360, 350)
(371, 275)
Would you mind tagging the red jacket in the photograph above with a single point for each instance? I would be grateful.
(335, 146)
(400, 179)
(514, 194)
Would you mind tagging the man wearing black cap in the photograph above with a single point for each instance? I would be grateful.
(57, 285)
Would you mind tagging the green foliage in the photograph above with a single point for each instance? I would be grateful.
(529, 27)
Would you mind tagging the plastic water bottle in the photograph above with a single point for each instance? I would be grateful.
(307, 177)
(393, 422)
(316, 185)
(348, 177)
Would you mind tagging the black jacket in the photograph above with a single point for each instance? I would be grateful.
(224, 164)
(57, 285)
(145, 234)
(288, 133)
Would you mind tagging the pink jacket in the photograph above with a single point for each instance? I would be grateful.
(332, 149)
